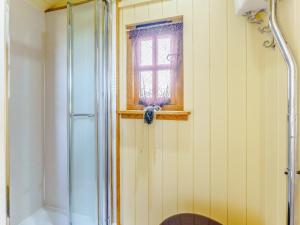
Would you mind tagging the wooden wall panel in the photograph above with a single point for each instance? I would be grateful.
(227, 160)
(185, 132)
(170, 168)
(255, 152)
(128, 172)
(271, 148)
(219, 109)
(155, 173)
(201, 126)
(237, 118)
(142, 172)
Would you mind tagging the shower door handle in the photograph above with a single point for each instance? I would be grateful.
(83, 115)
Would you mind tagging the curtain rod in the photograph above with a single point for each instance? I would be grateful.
(155, 23)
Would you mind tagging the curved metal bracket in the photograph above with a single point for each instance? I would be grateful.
(270, 44)
(259, 18)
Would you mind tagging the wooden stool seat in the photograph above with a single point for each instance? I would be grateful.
(189, 219)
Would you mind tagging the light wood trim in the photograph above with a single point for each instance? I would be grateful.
(65, 6)
(118, 135)
(161, 115)
(56, 8)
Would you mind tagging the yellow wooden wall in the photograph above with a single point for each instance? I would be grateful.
(227, 161)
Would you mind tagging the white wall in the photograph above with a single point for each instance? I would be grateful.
(56, 157)
(2, 116)
(26, 109)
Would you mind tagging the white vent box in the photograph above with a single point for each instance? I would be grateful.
(244, 6)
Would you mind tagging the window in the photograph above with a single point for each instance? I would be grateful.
(155, 65)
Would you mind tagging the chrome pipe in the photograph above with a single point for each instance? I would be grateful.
(292, 109)
(69, 100)
(103, 76)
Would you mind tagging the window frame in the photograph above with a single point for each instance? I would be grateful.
(133, 73)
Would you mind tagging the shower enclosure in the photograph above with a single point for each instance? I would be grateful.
(60, 115)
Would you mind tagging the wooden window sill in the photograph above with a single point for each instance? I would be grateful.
(161, 115)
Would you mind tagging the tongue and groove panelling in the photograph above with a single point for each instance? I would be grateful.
(214, 164)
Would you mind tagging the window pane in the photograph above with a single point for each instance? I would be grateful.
(146, 84)
(164, 84)
(163, 50)
(146, 52)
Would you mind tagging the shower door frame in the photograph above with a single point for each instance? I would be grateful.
(4, 174)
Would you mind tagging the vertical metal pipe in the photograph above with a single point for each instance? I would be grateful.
(292, 108)
(4, 133)
(97, 103)
(69, 98)
(103, 106)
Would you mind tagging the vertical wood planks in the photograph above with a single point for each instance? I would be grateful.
(271, 148)
(282, 139)
(201, 107)
(156, 10)
(128, 172)
(237, 112)
(170, 168)
(255, 152)
(128, 143)
(185, 129)
(169, 8)
(218, 109)
(142, 172)
(226, 160)
(156, 137)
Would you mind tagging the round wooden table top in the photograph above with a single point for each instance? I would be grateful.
(189, 219)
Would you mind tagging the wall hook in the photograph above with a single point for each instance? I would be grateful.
(270, 44)
(264, 29)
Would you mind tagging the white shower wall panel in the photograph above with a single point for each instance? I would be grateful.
(26, 109)
(56, 154)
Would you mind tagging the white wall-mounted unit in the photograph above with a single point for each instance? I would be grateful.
(243, 6)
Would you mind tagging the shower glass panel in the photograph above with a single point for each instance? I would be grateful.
(83, 143)
(89, 112)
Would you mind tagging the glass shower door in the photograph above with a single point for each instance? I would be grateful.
(83, 131)
(89, 113)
